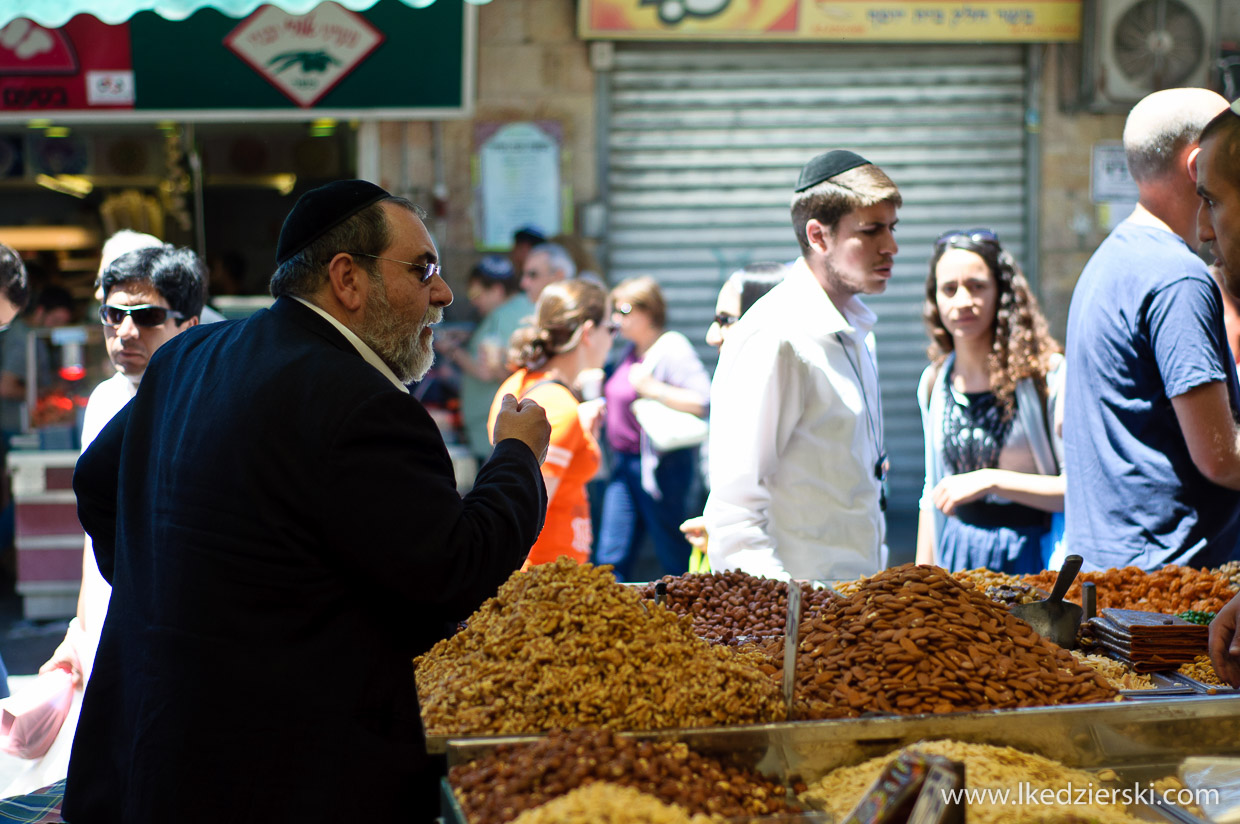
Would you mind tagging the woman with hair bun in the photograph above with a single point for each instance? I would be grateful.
(570, 334)
(990, 410)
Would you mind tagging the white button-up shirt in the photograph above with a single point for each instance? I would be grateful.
(796, 432)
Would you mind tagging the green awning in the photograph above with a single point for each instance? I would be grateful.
(55, 13)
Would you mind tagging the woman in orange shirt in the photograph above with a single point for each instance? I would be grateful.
(570, 334)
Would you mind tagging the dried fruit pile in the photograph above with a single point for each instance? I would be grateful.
(731, 607)
(519, 777)
(915, 640)
(565, 646)
(1172, 589)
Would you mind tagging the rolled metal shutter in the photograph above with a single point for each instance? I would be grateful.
(703, 147)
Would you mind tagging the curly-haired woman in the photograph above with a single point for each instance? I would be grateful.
(989, 403)
(570, 334)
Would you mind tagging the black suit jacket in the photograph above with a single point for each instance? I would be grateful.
(283, 534)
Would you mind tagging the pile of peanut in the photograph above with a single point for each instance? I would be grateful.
(731, 607)
(605, 803)
(1172, 589)
(1202, 670)
(1232, 570)
(565, 646)
(985, 766)
(519, 777)
(914, 640)
(1118, 673)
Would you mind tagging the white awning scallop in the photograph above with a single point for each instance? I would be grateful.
(55, 13)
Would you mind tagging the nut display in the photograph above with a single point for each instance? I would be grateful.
(1232, 570)
(915, 640)
(1171, 589)
(731, 607)
(985, 767)
(998, 586)
(1116, 672)
(565, 646)
(1202, 670)
(519, 777)
(605, 803)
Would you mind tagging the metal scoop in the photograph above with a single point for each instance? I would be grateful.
(1055, 619)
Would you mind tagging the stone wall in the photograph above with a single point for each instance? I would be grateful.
(530, 66)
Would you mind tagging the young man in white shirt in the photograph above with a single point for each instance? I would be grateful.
(797, 456)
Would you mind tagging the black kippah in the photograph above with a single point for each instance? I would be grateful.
(320, 210)
(826, 166)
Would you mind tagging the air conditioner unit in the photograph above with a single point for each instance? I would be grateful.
(1142, 46)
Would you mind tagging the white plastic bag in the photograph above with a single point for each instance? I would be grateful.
(30, 720)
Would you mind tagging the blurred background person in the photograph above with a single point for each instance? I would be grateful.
(740, 291)
(570, 334)
(586, 264)
(547, 263)
(989, 401)
(523, 241)
(648, 491)
(495, 293)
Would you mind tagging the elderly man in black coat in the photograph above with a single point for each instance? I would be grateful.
(279, 521)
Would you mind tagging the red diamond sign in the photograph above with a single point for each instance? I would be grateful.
(304, 56)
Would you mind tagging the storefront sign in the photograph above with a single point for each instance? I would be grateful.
(84, 65)
(390, 61)
(304, 56)
(518, 181)
(832, 20)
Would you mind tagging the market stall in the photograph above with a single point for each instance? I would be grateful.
(910, 655)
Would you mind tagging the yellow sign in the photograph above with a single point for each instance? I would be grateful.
(834, 20)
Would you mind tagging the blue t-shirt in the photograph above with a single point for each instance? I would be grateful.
(1145, 325)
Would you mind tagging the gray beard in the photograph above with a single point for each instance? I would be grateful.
(396, 341)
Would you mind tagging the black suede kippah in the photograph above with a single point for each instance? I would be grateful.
(826, 166)
(319, 210)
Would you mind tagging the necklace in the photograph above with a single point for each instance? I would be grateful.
(974, 430)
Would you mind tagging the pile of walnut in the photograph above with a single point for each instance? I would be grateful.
(518, 777)
(915, 640)
(564, 646)
(1171, 589)
(734, 607)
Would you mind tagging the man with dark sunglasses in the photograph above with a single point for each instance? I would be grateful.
(150, 295)
(279, 520)
(1151, 397)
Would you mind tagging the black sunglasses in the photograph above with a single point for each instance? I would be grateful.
(965, 236)
(144, 315)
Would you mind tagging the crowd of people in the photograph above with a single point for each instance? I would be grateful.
(268, 506)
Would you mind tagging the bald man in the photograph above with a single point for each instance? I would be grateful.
(1151, 403)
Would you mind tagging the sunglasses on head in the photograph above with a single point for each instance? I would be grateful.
(145, 315)
(965, 236)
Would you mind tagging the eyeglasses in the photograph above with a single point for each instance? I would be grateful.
(429, 270)
(725, 320)
(625, 308)
(145, 315)
(966, 236)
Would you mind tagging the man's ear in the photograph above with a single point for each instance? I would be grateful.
(1191, 162)
(819, 235)
(345, 276)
